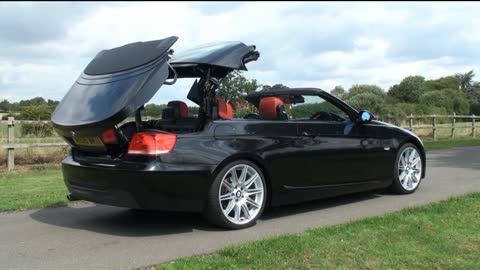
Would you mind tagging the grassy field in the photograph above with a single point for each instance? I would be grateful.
(32, 189)
(444, 235)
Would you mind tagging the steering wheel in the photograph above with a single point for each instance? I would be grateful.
(327, 116)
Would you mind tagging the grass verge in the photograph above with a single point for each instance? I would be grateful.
(443, 144)
(442, 235)
(32, 189)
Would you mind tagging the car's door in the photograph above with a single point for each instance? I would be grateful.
(333, 148)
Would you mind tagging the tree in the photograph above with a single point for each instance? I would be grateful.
(471, 89)
(235, 86)
(36, 112)
(154, 110)
(5, 106)
(365, 96)
(473, 93)
(452, 100)
(277, 86)
(465, 80)
(409, 90)
(52, 103)
(448, 82)
(338, 91)
(34, 101)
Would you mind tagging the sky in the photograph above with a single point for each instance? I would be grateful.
(45, 46)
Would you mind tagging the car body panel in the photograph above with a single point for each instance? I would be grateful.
(281, 157)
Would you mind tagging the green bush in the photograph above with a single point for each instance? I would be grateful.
(36, 130)
(36, 112)
(241, 112)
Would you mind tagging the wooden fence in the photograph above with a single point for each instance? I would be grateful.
(11, 145)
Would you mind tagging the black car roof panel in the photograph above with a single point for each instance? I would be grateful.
(128, 56)
(230, 55)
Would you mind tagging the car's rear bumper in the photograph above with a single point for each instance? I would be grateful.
(175, 187)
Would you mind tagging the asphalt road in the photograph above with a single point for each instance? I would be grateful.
(101, 237)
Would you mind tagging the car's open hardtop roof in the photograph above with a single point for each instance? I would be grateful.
(220, 57)
(119, 81)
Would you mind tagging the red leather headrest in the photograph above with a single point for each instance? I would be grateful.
(225, 109)
(182, 107)
(268, 107)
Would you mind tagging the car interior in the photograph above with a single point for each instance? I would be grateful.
(282, 108)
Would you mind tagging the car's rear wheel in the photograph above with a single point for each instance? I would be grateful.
(408, 170)
(237, 196)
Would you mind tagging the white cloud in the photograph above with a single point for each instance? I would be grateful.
(301, 44)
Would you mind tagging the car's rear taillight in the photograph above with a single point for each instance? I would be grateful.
(109, 136)
(152, 143)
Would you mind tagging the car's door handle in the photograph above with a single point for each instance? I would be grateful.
(308, 134)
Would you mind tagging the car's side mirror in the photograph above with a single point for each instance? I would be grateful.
(365, 116)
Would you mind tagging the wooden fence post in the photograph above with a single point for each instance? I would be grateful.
(434, 128)
(473, 125)
(453, 125)
(11, 140)
(410, 122)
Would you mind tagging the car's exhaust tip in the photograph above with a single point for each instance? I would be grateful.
(72, 198)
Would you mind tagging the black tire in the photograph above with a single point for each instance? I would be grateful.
(213, 211)
(396, 186)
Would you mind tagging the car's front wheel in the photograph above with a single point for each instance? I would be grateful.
(408, 170)
(237, 196)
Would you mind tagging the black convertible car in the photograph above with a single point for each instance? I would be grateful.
(300, 144)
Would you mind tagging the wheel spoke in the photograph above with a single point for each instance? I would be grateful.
(402, 176)
(252, 202)
(227, 185)
(409, 181)
(228, 196)
(237, 212)
(412, 155)
(243, 175)
(245, 211)
(250, 181)
(254, 191)
(234, 177)
(414, 178)
(229, 208)
(415, 162)
(403, 161)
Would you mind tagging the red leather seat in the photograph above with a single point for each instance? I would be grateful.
(225, 109)
(272, 108)
(180, 108)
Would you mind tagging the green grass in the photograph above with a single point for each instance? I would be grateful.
(442, 144)
(444, 235)
(32, 189)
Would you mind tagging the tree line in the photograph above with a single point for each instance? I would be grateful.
(457, 93)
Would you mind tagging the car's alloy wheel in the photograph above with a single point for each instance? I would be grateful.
(238, 196)
(241, 194)
(408, 170)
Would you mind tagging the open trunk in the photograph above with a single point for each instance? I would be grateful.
(118, 82)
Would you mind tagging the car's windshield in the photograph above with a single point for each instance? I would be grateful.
(302, 107)
(315, 108)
